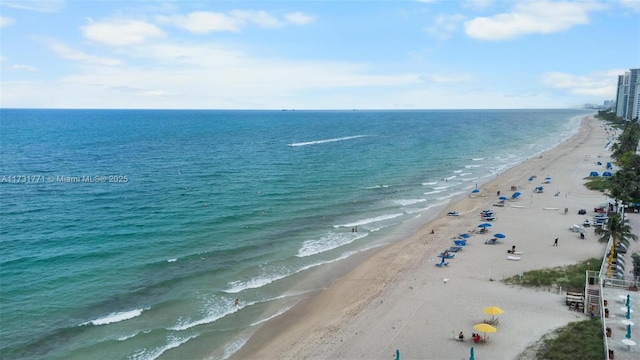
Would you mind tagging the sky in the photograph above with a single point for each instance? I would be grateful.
(384, 54)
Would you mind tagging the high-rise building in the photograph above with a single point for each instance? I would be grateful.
(628, 96)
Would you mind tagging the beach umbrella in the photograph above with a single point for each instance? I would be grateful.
(465, 236)
(627, 302)
(484, 225)
(397, 354)
(471, 357)
(628, 315)
(628, 335)
(502, 198)
(516, 194)
(485, 328)
(493, 311)
(499, 236)
(475, 191)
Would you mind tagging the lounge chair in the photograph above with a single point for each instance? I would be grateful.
(493, 321)
(512, 257)
(460, 242)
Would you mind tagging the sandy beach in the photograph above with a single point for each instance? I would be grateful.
(399, 299)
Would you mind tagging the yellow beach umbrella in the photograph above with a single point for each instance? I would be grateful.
(492, 310)
(485, 328)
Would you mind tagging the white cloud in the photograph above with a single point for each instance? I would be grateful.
(46, 6)
(24, 67)
(260, 18)
(121, 32)
(299, 18)
(204, 22)
(529, 17)
(450, 78)
(631, 4)
(599, 84)
(5, 21)
(68, 53)
(478, 4)
(444, 25)
(153, 93)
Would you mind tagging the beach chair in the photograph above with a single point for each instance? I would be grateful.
(460, 242)
(455, 248)
(448, 256)
(442, 264)
(493, 321)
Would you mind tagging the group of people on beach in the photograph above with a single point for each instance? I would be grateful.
(475, 337)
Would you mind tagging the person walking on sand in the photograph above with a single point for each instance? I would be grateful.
(555, 242)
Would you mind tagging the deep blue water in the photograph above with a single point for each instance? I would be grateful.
(128, 234)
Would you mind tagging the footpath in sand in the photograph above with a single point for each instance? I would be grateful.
(399, 299)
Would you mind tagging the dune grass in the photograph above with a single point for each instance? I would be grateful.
(568, 277)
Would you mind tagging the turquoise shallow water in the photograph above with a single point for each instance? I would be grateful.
(128, 234)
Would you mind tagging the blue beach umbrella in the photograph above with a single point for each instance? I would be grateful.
(628, 335)
(516, 194)
(397, 354)
(503, 198)
(466, 236)
(475, 191)
(471, 357)
(484, 225)
(628, 315)
(627, 302)
(499, 236)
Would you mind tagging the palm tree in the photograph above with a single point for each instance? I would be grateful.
(617, 229)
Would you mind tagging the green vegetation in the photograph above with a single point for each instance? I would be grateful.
(570, 277)
(636, 264)
(577, 340)
(624, 184)
(617, 229)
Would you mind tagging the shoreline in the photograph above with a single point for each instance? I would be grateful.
(398, 299)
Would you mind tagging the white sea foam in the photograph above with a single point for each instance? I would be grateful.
(369, 220)
(431, 206)
(173, 342)
(316, 142)
(232, 347)
(280, 312)
(472, 166)
(172, 260)
(378, 187)
(432, 192)
(238, 286)
(477, 159)
(429, 183)
(115, 317)
(378, 228)
(441, 187)
(407, 202)
(328, 242)
(457, 171)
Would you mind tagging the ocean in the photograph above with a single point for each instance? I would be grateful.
(128, 234)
